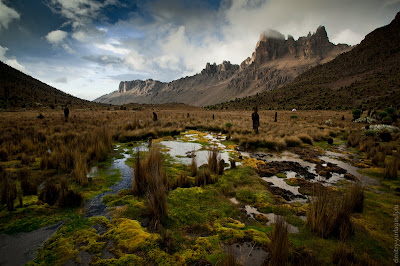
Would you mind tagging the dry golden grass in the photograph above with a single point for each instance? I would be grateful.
(86, 138)
(279, 244)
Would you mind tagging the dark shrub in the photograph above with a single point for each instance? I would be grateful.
(28, 186)
(3, 155)
(356, 114)
(50, 192)
(387, 120)
(382, 115)
(70, 199)
(8, 189)
(385, 136)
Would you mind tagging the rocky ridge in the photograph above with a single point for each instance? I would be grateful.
(276, 61)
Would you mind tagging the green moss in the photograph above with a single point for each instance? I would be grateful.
(129, 235)
(188, 206)
(281, 175)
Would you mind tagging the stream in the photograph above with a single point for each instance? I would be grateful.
(95, 206)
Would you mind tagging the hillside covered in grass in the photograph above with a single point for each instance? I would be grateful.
(20, 90)
(368, 75)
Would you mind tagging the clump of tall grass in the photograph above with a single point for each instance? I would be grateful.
(279, 243)
(213, 158)
(306, 139)
(229, 259)
(204, 177)
(69, 198)
(292, 142)
(180, 181)
(221, 166)
(193, 166)
(355, 198)
(50, 192)
(27, 186)
(151, 180)
(3, 155)
(391, 167)
(8, 189)
(329, 214)
(139, 182)
(80, 170)
(26, 160)
(343, 254)
(353, 139)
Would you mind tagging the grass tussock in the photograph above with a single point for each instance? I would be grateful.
(193, 166)
(204, 177)
(151, 180)
(28, 186)
(343, 255)
(8, 189)
(279, 244)
(50, 192)
(213, 158)
(391, 167)
(180, 181)
(329, 213)
(80, 170)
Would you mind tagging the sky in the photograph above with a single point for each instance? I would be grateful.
(86, 47)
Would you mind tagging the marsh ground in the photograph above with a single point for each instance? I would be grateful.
(204, 223)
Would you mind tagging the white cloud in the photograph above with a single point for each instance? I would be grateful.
(10, 61)
(347, 36)
(112, 48)
(68, 49)
(136, 61)
(55, 37)
(7, 15)
(80, 36)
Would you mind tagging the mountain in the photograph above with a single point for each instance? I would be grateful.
(276, 61)
(20, 90)
(367, 76)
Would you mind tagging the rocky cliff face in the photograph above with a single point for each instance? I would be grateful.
(276, 61)
(368, 75)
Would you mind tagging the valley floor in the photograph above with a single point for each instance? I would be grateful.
(231, 213)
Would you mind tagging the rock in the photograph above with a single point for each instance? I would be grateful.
(218, 83)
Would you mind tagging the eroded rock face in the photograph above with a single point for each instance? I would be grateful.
(275, 62)
(139, 86)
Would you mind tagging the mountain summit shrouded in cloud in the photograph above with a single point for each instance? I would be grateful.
(91, 45)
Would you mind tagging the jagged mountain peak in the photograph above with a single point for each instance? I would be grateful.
(275, 62)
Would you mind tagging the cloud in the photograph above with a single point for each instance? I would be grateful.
(10, 61)
(55, 37)
(78, 12)
(68, 49)
(7, 15)
(137, 61)
(347, 36)
(80, 36)
(61, 80)
(103, 59)
(112, 48)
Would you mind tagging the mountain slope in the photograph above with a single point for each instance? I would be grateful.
(18, 89)
(368, 75)
(275, 62)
